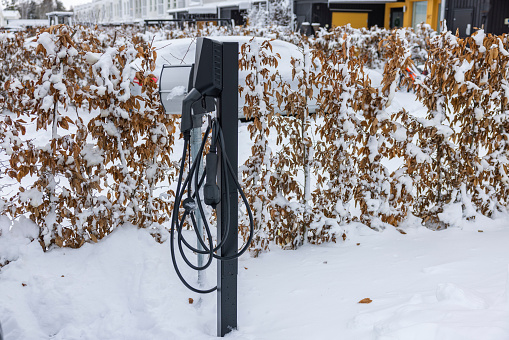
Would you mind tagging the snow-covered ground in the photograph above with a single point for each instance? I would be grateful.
(451, 284)
(445, 285)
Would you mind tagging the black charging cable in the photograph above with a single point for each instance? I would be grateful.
(192, 204)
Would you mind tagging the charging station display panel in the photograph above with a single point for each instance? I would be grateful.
(173, 87)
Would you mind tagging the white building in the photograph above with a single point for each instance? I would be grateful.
(7, 16)
(117, 12)
(20, 24)
(124, 11)
(55, 18)
(219, 9)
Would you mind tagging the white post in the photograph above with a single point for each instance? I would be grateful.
(443, 26)
(292, 14)
(195, 148)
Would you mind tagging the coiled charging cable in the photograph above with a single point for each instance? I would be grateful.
(193, 203)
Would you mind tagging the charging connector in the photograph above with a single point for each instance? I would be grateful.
(211, 192)
(186, 123)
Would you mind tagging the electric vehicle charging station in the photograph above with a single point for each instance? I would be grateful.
(213, 84)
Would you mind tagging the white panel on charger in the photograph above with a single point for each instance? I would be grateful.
(173, 84)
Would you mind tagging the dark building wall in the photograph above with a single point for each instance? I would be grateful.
(233, 13)
(489, 14)
(499, 10)
(303, 11)
(456, 11)
(321, 12)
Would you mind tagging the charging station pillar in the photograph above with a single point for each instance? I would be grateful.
(228, 119)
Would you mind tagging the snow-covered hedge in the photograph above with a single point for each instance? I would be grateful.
(107, 156)
(97, 169)
(331, 161)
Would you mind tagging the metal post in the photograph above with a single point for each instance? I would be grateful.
(292, 13)
(442, 16)
(228, 120)
(195, 147)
